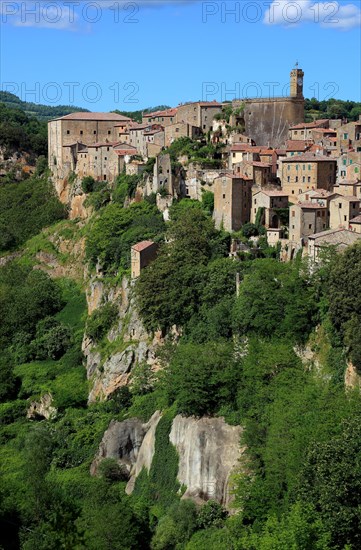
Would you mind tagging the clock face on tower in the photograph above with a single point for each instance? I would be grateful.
(300, 81)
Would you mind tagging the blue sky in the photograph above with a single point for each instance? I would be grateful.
(106, 55)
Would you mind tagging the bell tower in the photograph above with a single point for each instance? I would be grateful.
(297, 82)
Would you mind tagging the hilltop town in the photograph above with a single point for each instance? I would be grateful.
(264, 165)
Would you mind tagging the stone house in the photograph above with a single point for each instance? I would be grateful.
(349, 136)
(154, 141)
(200, 114)
(306, 218)
(342, 210)
(164, 118)
(270, 201)
(232, 201)
(106, 160)
(303, 130)
(349, 188)
(304, 172)
(83, 128)
(259, 172)
(355, 224)
(338, 238)
(349, 166)
(180, 129)
(142, 254)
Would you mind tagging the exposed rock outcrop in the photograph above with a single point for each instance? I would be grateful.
(42, 408)
(352, 377)
(131, 443)
(108, 373)
(209, 451)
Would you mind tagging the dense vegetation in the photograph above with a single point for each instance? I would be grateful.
(332, 108)
(25, 208)
(41, 112)
(21, 133)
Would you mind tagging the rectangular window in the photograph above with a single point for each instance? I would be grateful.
(296, 179)
(293, 213)
(109, 132)
(303, 179)
(344, 162)
(345, 136)
(308, 179)
(309, 226)
(81, 132)
(344, 218)
(340, 204)
(95, 132)
(68, 132)
(224, 196)
(288, 179)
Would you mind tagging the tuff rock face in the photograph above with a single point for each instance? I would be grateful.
(42, 409)
(131, 443)
(107, 374)
(209, 451)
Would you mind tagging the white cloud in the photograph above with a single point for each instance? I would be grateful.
(329, 14)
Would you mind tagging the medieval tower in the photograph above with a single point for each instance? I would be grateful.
(267, 120)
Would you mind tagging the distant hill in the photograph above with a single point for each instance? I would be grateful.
(41, 112)
(137, 115)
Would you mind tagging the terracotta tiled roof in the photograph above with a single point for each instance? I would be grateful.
(308, 204)
(309, 125)
(272, 193)
(139, 247)
(308, 158)
(297, 145)
(261, 164)
(167, 112)
(111, 117)
(348, 198)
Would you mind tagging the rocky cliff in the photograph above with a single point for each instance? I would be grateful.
(129, 343)
(209, 451)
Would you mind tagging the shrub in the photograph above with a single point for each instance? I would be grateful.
(101, 321)
(88, 184)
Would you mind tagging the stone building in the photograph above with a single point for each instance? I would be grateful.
(342, 210)
(200, 114)
(303, 172)
(306, 218)
(338, 238)
(180, 129)
(304, 130)
(267, 120)
(105, 160)
(142, 254)
(349, 188)
(349, 166)
(270, 201)
(259, 172)
(355, 224)
(85, 128)
(232, 201)
(349, 137)
(165, 118)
